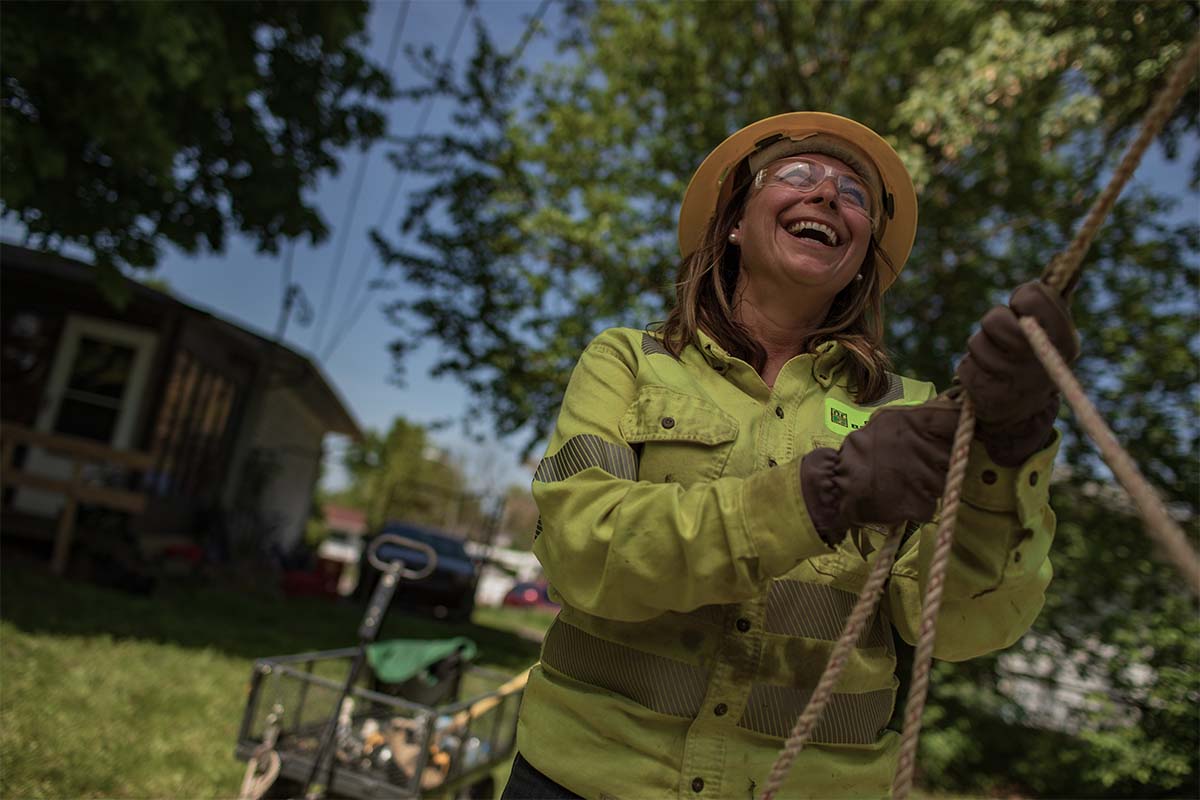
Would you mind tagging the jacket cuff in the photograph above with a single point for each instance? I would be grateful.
(1024, 488)
(775, 520)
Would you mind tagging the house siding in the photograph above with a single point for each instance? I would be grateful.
(290, 436)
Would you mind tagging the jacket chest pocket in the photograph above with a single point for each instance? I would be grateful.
(680, 438)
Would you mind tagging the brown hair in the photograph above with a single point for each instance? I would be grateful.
(705, 285)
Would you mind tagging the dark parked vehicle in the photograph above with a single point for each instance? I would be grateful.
(530, 595)
(448, 592)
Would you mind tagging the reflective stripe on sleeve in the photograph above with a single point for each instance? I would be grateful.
(587, 450)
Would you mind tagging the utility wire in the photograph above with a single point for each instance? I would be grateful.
(530, 29)
(289, 296)
(347, 322)
(355, 193)
(360, 307)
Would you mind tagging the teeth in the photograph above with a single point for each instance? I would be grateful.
(795, 228)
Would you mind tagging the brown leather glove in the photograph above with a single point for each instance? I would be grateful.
(1015, 400)
(889, 471)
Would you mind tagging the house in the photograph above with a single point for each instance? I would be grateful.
(189, 423)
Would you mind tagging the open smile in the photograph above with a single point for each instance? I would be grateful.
(816, 233)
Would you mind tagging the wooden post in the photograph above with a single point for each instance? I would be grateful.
(66, 524)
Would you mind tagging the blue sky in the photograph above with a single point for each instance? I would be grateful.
(248, 288)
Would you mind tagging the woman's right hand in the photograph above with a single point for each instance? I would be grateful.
(889, 471)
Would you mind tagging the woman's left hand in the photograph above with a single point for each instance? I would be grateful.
(1015, 400)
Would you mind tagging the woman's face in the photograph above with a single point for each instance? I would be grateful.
(807, 260)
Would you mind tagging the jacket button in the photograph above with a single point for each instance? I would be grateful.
(772, 462)
(720, 709)
(743, 624)
(1033, 476)
(668, 422)
(697, 785)
(779, 411)
(988, 476)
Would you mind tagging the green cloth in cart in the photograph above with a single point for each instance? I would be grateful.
(398, 660)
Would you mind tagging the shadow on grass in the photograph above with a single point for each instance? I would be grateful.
(204, 616)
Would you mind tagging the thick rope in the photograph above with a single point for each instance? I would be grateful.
(1060, 274)
(859, 616)
(1061, 271)
(1158, 522)
(935, 581)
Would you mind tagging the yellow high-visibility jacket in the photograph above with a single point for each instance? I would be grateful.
(699, 605)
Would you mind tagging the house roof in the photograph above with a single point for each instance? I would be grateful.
(301, 373)
(350, 520)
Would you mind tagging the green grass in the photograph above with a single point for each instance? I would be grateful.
(104, 694)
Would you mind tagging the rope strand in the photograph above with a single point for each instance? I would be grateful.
(862, 611)
(1154, 512)
(1061, 271)
(935, 581)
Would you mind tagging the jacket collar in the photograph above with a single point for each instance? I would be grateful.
(826, 358)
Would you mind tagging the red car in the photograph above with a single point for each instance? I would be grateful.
(530, 595)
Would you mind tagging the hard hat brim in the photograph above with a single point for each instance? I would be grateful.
(704, 190)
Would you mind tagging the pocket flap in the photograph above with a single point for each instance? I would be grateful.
(660, 414)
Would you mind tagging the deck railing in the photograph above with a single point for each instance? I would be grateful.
(78, 487)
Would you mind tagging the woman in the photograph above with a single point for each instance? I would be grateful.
(712, 496)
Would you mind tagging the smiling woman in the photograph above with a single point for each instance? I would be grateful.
(699, 488)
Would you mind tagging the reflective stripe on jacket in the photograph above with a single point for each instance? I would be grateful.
(700, 606)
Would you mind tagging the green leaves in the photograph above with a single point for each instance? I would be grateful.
(399, 476)
(551, 214)
(126, 126)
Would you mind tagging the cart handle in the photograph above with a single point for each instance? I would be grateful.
(397, 565)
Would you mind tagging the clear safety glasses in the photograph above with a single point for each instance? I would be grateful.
(804, 176)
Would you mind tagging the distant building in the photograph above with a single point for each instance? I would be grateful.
(212, 428)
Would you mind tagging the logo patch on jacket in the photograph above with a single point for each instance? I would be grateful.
(842, 417)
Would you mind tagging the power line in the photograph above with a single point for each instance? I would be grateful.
(519, 50)
(355, 193)
(347, 322)
(530, 29)
(289, 294)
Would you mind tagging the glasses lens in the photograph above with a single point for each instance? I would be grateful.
(853, 192)
(807, 175)
(800, 174)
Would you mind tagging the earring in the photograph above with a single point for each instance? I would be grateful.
(858, 278)
(733, 238)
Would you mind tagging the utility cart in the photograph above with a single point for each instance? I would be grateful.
(393, 719)
(428, 744)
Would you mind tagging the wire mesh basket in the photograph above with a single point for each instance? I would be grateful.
(385, 745)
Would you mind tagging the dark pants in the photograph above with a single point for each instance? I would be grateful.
(526, 783)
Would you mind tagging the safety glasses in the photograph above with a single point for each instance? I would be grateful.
(804, 176)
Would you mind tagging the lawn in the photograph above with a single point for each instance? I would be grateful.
(105, 694)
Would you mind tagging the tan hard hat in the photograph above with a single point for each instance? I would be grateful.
(860, 147)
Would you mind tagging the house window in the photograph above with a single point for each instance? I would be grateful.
(190, 440)
(91, 400)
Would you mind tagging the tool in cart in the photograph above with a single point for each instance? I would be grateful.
(368, 631)
(262, 768)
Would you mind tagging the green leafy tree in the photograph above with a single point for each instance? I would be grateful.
(129, 125)
(398, 475)
(551, 214)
